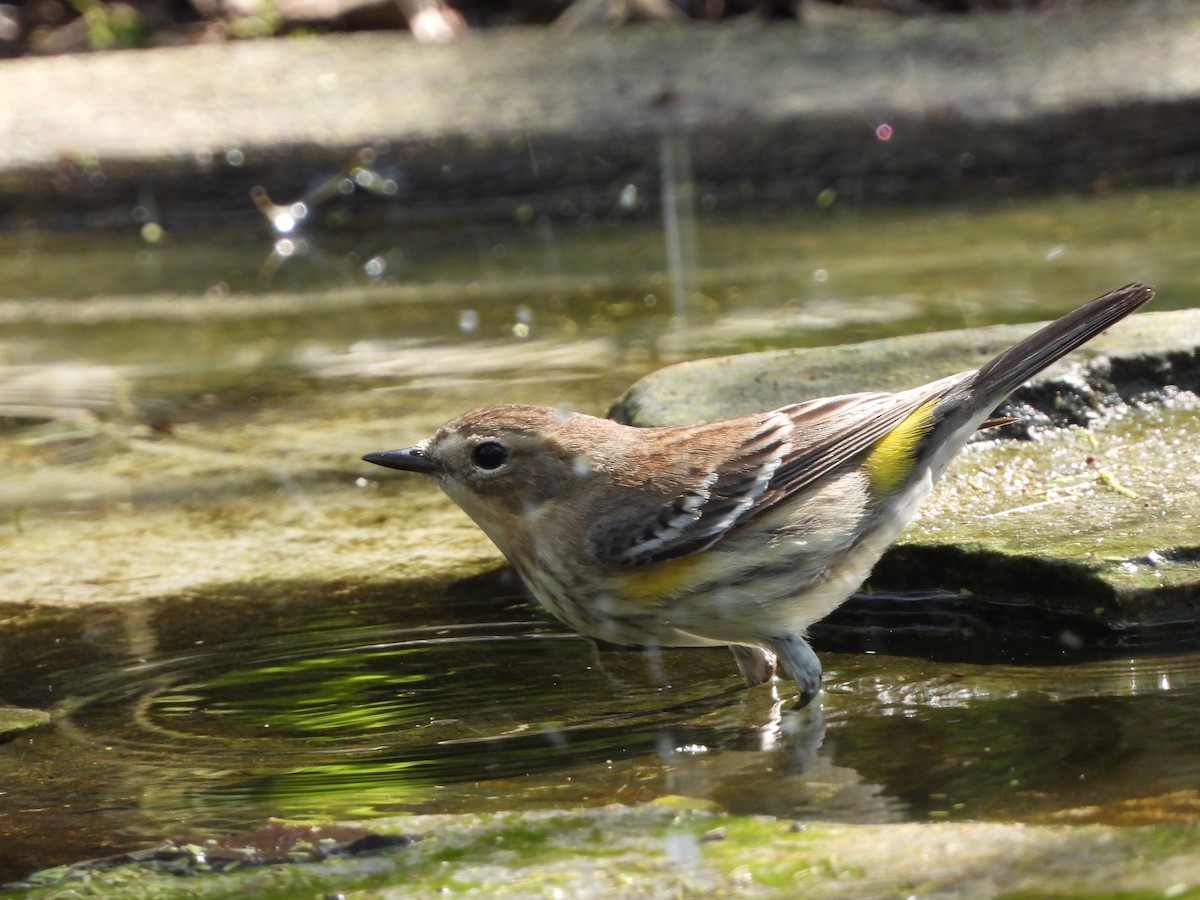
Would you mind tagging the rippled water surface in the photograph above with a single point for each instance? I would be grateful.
(391, 705)
(194, 711)
(282, 706)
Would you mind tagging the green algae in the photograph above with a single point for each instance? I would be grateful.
(655, 850)
(14, 720)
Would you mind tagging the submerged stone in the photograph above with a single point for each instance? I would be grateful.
(1073, 532)
(14, 720)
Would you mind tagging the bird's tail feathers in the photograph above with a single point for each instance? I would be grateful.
(997, 379)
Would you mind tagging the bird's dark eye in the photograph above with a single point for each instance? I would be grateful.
(489, 455)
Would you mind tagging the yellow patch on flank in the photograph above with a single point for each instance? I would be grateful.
(645, 584)
(891, 459)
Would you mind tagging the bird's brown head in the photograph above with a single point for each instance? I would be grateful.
(506, 461)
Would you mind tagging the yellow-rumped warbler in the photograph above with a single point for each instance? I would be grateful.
(741, 532)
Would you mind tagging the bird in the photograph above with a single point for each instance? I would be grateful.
(741, 532)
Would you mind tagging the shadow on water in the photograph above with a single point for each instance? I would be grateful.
(206, 714)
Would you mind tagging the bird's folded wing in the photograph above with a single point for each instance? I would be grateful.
(789, 450)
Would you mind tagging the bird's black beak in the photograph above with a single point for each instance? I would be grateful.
(413, 459)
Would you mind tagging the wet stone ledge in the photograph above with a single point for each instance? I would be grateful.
(524, 122)
(1071, 534)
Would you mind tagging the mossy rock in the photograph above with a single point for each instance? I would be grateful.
(14, 720)
(684, 849)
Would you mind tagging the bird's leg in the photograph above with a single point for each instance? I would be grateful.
(756, 664)
(801, 663)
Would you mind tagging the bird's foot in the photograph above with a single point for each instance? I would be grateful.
(800, 662)
(756, 664)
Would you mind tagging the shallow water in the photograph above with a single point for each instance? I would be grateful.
(280, 706)
(208, 710)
